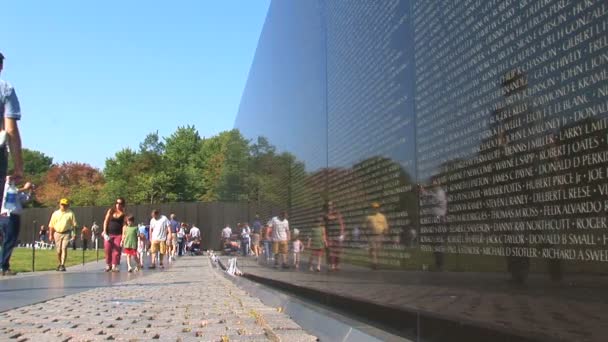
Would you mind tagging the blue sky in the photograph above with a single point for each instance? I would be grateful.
(95, 77)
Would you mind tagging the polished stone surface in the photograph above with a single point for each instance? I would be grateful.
(533, 311)
(477, 129)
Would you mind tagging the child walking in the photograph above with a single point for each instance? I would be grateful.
(317, 242)
(298, 248)
(130, 233)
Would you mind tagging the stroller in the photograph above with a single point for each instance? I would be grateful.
(194, 247)
(231, 246)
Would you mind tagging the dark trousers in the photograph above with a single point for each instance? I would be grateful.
(85, 243)
(10, 231)
(180, 247)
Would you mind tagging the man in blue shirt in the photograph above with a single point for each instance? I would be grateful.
(255, 237)
(10, 112)
(174, 226)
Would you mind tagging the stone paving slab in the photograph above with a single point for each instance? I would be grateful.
(192, 302)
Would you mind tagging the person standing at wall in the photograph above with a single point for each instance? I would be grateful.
(61, 228)
(10, 113)
(112, 234)
(226, 235)
(42, 234)
(85, 237)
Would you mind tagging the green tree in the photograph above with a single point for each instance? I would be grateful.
(120, 173)
(182, 165)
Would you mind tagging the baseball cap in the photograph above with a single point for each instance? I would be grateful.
(64, 201)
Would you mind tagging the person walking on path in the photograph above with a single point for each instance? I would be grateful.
(267, 241)
(245, 238)
(334, 227)
(317, 242)
(142, 244)
(10, 113)
(85, 237)
(61, 228)
(112, 234)
(255, 236)
(24, 195)
(129, 242)
(377, 228)
(95, 235)
(280, 239)
(160, 232)
(181, 239)
(172, 244)
(298, 248)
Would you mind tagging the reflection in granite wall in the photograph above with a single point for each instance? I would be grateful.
(449, 136)
(511, 106)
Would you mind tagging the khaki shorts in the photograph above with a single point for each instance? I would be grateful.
(158, 246)
(279, 247)
(61, 241)
(376, 240)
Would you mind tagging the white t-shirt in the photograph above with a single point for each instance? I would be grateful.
(159, 229)
(297, 246)
(280, 229)
(226, 233)
(195, 232)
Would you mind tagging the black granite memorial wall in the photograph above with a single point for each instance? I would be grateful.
(477, 129)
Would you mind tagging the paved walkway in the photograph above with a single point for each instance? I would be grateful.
(571, 310)
(188, 302)
(33, 287)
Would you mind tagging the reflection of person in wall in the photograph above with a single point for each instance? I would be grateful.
(334, 225)
(317, 243)
(504, 122)
(439, 200)
(377, 229)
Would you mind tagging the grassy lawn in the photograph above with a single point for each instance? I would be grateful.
(46, 259)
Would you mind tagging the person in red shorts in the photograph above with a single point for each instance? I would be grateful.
(129, 242)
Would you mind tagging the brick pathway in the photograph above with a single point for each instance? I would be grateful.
(188, 302)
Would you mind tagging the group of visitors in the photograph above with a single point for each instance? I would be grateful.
(120, 233)
(282, 246)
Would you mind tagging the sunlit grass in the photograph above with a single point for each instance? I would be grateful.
(46, 259)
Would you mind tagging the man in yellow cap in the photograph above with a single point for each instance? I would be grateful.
(377, 228)
(61, 229)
